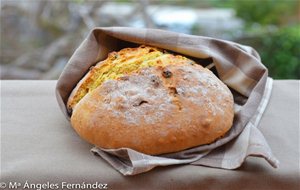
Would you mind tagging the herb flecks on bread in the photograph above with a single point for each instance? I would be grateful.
(118, 64)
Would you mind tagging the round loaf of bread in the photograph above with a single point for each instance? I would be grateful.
(151, 101)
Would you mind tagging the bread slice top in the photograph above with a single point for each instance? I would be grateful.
(119, 64)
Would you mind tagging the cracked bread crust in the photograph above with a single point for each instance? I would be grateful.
(159, 109)
(118, 64)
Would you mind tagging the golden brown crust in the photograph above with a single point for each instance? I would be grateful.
(159, 109)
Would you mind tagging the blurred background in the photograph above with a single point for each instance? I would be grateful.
(38, 37)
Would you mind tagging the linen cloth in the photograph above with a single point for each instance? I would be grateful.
(238, 66)
(39, 145)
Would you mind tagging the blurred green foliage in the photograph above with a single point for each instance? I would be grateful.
(280, 52)
(270, 26)
(279, 47)
(266, 12)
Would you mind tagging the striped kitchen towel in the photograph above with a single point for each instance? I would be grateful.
(238, 66)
